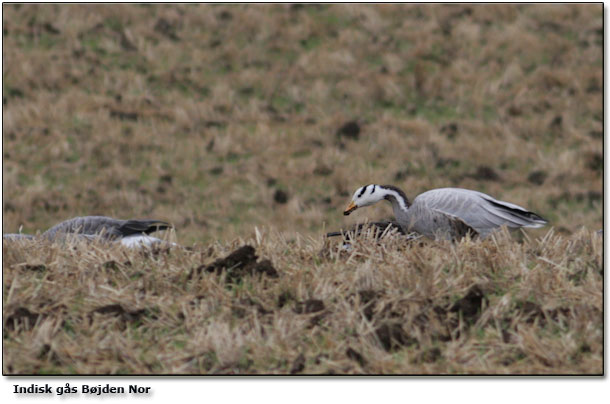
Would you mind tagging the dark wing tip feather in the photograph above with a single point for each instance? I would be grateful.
(334, 234)
(143, 226)
(536, 217)
(522, 213)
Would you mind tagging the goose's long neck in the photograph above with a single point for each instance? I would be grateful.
(400, 202)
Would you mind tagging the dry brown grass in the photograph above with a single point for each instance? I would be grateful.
(200, 114)
(490, 307)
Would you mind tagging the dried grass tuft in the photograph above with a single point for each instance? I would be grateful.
(496, 306)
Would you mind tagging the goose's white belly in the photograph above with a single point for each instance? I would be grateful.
(140, 240)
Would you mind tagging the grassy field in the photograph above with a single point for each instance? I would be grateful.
(253, 125)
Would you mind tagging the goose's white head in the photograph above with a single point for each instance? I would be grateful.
(365, 196)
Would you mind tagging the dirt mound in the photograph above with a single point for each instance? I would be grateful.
(241, 262)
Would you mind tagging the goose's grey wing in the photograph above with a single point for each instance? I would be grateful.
(478, 210)
(87, 225)
(109, 227)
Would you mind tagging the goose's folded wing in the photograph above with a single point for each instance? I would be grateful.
(480, 211)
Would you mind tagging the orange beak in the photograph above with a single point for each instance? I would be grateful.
(350, 208)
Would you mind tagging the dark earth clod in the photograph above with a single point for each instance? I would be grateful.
(355, 356)
(469, 306)
(280, 196)
(309, 306)
(392, 337)
(349, 130)
(485, 173)
(35, 267)
(239, 263)
(164, 27)
(537, 177)
(298, 365)
(450, 130)
(21, 314)
(124, 314)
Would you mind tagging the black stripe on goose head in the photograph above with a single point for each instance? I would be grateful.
(363, 191)
(398, 191)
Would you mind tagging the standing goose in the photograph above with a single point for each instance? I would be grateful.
(130, 233)
(447, 212)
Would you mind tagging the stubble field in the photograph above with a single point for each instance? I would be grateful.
(253, 125)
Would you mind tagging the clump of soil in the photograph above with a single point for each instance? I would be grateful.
(392, 337)
(125, 315)
(355, 356)
(537, 177)
(368, 301)
(309, 306)
(350, 130)
(241, 308)
(240, 263)
(23, 315)
(470, 305)
(298, 365)
(280, 196)
(312, 306)
(485, 173)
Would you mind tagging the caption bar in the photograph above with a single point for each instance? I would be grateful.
(84, 389)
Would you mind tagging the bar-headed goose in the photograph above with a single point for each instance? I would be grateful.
(447, 212)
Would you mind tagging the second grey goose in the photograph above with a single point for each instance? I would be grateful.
(130, 233)
(447, 212)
